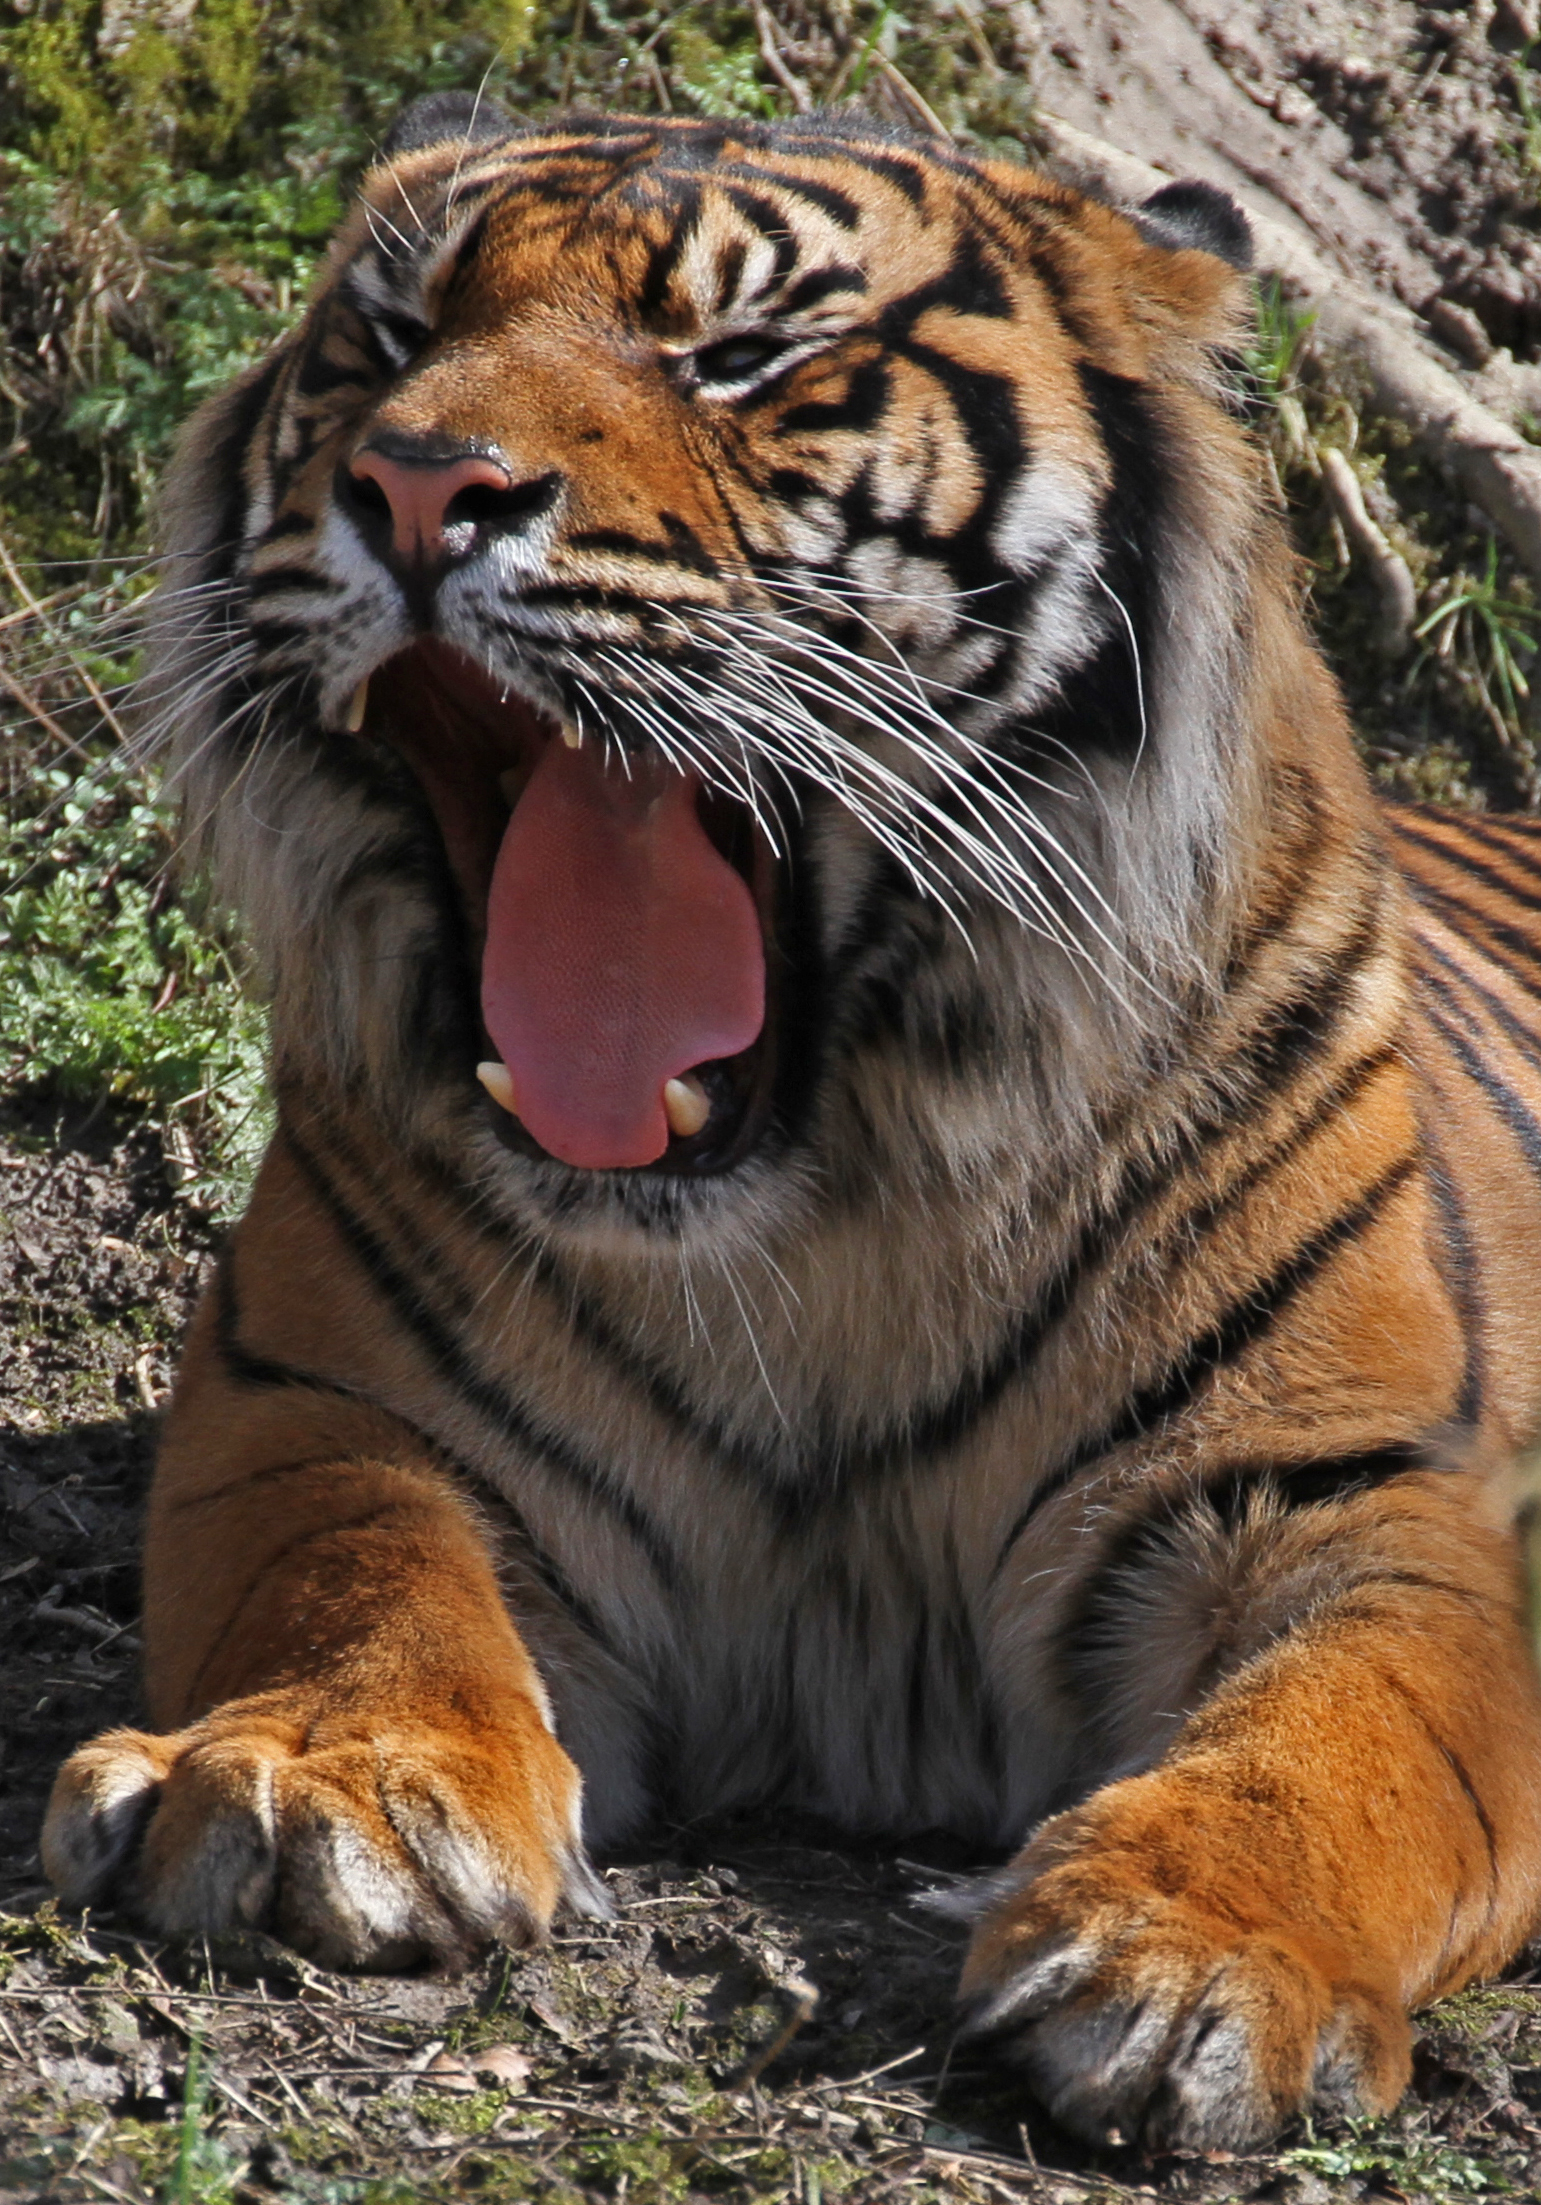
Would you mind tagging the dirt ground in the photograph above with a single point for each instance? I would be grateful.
(1388, 133)
(769, 2014)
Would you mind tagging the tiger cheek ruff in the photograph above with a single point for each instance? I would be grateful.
(895, 1191)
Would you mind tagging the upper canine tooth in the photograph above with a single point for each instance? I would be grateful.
(357, 706)
(499, 1083)
(685, 1105)
(572, 736)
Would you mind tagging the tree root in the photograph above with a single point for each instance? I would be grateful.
(1494, 465)
(1390, 571)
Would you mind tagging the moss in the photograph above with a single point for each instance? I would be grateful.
(94, 91)
(470, 2115)
(1472, 2013)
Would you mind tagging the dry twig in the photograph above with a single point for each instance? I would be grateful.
(771, 35)
(1389, 570)
(38, 607)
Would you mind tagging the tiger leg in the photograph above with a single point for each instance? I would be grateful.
(354, 1749)
(1348, 1826)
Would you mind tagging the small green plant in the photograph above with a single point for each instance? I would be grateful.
(1271, 364)
(205, 2170)
(869, 49)
(1279, 337)
(718, 79)
(1485, 634)
(1428, 2166)
(110, 987)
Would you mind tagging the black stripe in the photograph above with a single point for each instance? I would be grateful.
(862, 407)
(273, 579)
(1525, 1038)
(1303, 856)
(730, 270)
(771, 221)
(1462, 861)
(838, 205)
(969, 285)
(1244, 1323)
(1293, 1034)
(1469, 921)
(246, 1368)
(930, 1434)
(239, 416)
(1101, 1618)
(665, 258)
(289, 523)
(1457, 1769)
(1420, 1581)
(1521, 1121)
(1461, 1272)
(494, 1403)
(1104, 701)
(1319, 1484)
(821, 283)
(1503, 839)
(907, 176)
(681, 548)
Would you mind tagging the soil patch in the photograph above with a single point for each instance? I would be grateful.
(1398, 137)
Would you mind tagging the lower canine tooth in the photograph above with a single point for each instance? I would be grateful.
(685, 1105)
(499, 1083)
(358, 704)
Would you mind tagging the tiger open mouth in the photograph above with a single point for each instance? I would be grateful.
(618, 913)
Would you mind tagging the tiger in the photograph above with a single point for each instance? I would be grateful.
(897, 1193)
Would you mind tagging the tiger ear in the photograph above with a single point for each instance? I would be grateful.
(445, 115)
(1195, 217)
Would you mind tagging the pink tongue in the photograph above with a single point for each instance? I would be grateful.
(621, 950)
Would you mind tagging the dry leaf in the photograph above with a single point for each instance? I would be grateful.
(502, 2063)
(448, 2071)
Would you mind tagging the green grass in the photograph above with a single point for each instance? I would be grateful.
(1453, 719)
(111, 988)
(1431, 2168)
(1489, 635)
(205, 2171)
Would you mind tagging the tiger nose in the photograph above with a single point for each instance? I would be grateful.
(437, 507)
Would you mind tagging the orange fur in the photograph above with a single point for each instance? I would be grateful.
(1077, 1410)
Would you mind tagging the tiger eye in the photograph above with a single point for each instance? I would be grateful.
(734, 358)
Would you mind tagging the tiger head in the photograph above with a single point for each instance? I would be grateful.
(743, 629)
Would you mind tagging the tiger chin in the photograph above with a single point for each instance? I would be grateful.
(895, 1190)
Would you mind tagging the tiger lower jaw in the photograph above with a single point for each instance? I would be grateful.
(618, 919)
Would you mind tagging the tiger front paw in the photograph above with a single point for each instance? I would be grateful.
(1146, 2006)
(362, 1842)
